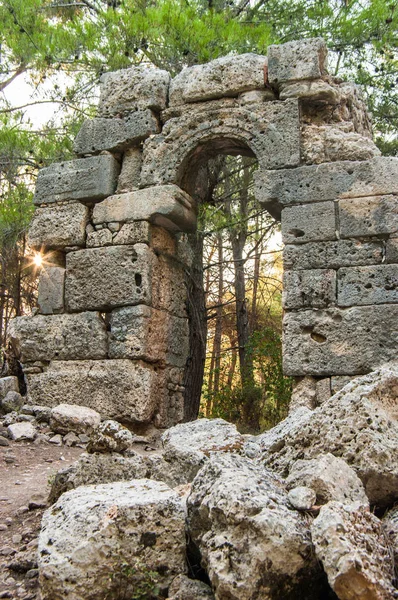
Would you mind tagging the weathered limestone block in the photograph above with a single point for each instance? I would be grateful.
(85, 179)
(225, 76)
(137, 88)
(141, 332)
(92, 532)
(183, 588)
(354, 107)
(238, 515)
(330, 477)
(61, 337)
(327, 143)
(358, 286)
(303, 394)
(12, 402)
(373, 215)
(337, 383)
(102, 237)
(303, 59)
(256, 96)
(350, 543)
(129, 178)
(309, 223)
(328, 181)
(114, 135)
(392, 250)
(110, 436)
(124, 390)
(8, 384)
(133, 233)
(339, 341)
(165, 205)
(332, 255)
(272, 133)
(358, 424)
(315, 288)
(323, 390)
(58, 226)
(24, 431)
(51, 290)
(164, 242)
(302, 498)
(315, 90)
(72, 417)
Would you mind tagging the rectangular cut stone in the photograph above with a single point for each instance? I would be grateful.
(61, 337)
(125, 390)
(103, 237)
(226, 76)
(164, 205)
(358, 286)
(337, 341)
(133, 233)
(328, 181)
(85, 179)
(309, 223)
(375, 215)
(316, 288)
(137, 88)
(301, 59)
(141, 332)
(392, 250)
(58, 225)
(129, 178)
(51, 290)
(114, 135)
(332, 255)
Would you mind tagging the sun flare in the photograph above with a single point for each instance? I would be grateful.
(38, 260)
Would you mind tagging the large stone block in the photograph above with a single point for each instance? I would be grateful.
(301, 59)
(316, 288)
(58, 225)
(375, 215)
(165, 205)
(226, 76)
(339, 341)
(326, 143)
(124, 390)
(85, 179)
(309, 223)
(61, 337)
(137, 88)
(328, 181)
(332, 255)
(270, 131)
(114, 135)
(358, 286)
(141, 332)
(51, 290)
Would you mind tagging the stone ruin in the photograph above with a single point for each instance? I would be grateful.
(111, 330)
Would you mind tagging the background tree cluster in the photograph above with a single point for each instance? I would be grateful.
(59, 49)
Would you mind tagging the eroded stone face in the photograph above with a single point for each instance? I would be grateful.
(304, 59)
(58, 225)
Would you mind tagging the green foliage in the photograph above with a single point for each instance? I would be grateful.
(134, 581)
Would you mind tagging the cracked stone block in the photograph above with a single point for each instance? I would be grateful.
(141, 332)
(103, 237)
(137, 88)
(129, 178)
(114, 135)
(51, 290)
(125, 390)
(337, 341)
(357, 286)
(328, 181)
(303, 59)
(327, 143)
(58, 226)
(374, 215)
(61, 337)
(309, 223)
(332, 255)
(165, 205)
(315, 288)
(84, 179)
(133, 233)
(225, 76)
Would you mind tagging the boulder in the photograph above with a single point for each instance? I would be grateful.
(101, 541)
(350, 543)
(358, 424)
(21, 432)
(331, 479)
(71, 417)
(8, 384)
(12, 401)
(183, 588)
(252, 544)
(110, 436)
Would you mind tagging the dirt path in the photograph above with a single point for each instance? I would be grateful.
(25, 472)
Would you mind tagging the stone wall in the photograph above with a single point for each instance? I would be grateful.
(111, 330)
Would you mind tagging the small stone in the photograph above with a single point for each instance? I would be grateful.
(22, 431)
(4, 441)
(3, 527)
(7, 551)
(32, 573)
(71, 439)
(302, 498)
(56, 439)
(17, 538)
(84, 438)
(12, 401)
(22, 509)
(72, 417)
(10, 459)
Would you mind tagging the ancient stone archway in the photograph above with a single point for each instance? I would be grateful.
(111, 330)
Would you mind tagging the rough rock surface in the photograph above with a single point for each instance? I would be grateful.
(22, 431)
(55, 227)
(302, 498)
(110, 436)
(330, 143)
(252, 544)
(72, 417)
(350, 543)
(92, 532)
(358, 424)
(12, 401)
(183, 588)
(330, 477)
(390, 526)
(8, 384)
(304, 59)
